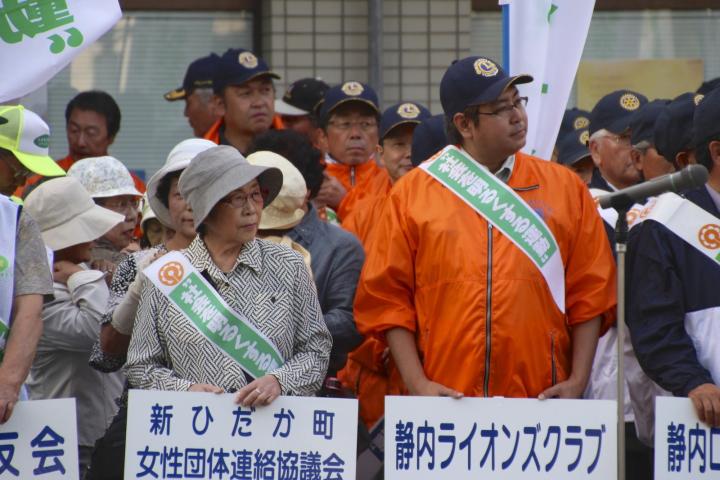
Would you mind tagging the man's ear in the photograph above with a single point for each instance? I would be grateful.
(594, 146)
(637, 159)
(714, 148)
(462, 124)
(683, 159)
(217, 105)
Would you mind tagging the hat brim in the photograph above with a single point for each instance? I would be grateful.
(283, 108)
(328, 111)
(161, 211)
(410, 121)
(175, 95)
(619, 125)
(492, 93)
(240, 81)
(574, 157)
(116, 192)
(39, 164)
(269, 178)
(273, 219)
(86, 227)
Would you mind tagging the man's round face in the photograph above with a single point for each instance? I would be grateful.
(502, 126)
(396, 148)
(250, 107)
(352, 133)
(612, 156)
(87, 134)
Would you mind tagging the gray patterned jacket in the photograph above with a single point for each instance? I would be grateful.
(271, 286)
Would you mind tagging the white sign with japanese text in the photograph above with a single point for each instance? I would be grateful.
(208, 436)
(40, 441)
(685, 447)
(508, 438)
(38, 39)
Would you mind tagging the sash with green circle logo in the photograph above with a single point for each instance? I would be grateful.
(505, 210)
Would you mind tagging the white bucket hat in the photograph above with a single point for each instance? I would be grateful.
(286, 210)
(178, 159)
(67, 215)
(104, 177)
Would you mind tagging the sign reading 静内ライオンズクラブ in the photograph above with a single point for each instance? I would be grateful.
(512, 439)
(685, 447)
(39, 38)
(40, 441)
(208, 436)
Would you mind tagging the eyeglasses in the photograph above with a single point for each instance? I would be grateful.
(363, 125)
(239, 200)
(121, 206)
(506, 111)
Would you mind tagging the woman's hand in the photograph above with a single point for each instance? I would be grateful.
(259, 392)
(205, 387)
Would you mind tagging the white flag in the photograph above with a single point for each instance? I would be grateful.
(38, 38)
(547, 38)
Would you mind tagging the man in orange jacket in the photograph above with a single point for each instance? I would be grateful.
(349, 115)
(244, 86)
(489, 272)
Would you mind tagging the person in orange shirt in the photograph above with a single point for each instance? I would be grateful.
(502, 292)
(361, 206)
(244, 87)
(202, 109)
(349, 115)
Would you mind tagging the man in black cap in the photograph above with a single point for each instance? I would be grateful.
(244, 87)
(610, 140)
(674, 128)
(201, 109)
(572, 151)
(645, 156)
(674, 273)
(349, 115)
(298, 107)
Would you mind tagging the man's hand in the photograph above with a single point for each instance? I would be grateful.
(570, 388)
(706, 399)
(205, 387)
(62, 270)
(331, 192)
(428, 388)
(259, 392)
(8, 399)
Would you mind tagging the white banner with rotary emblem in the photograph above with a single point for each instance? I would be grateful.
(39, 38)
(546, 40)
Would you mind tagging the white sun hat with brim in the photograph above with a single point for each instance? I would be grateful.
(178, 159)
(286, 210)
(104, 177)
(67, 215)
(218, 171)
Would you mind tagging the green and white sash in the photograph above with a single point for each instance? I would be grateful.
(229, 330)
(505, 210)
(690, 222)
(8, 230)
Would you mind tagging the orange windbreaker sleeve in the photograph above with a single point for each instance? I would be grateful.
(590, 273)
(385, 293)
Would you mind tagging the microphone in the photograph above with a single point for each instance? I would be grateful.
(692, 176)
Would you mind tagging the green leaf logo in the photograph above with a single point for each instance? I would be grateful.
(43, 141)
(4, 264)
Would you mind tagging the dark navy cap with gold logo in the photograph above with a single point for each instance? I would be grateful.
(401, 114)
(347, 92)
(199, 74)
(614, 111)
(238, 66)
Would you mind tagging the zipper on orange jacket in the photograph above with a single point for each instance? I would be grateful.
(488, 314)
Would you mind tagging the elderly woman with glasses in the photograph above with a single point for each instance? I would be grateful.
(266, 286)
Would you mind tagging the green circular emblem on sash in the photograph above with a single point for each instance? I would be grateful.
(4, 264)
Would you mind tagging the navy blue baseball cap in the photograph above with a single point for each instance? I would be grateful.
(351, 91)
(429, 138)
(614, 110)
(238, 66)
(301, 97)
(709, 86)
(572, 147)
(472, 81)
(574, 119)
(402, 113)
(706, 121)
(199, 74)
(642, 123)
(674, 126)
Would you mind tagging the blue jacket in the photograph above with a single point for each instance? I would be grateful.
(669, 281)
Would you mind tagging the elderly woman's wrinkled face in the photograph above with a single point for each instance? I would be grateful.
(236, 217)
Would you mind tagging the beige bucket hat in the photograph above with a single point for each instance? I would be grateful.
(67, 215)
(286, 210)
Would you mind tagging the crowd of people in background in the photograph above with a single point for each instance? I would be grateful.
(367, 247)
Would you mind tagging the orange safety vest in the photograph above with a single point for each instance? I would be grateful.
(483, 316)
(376, 186)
